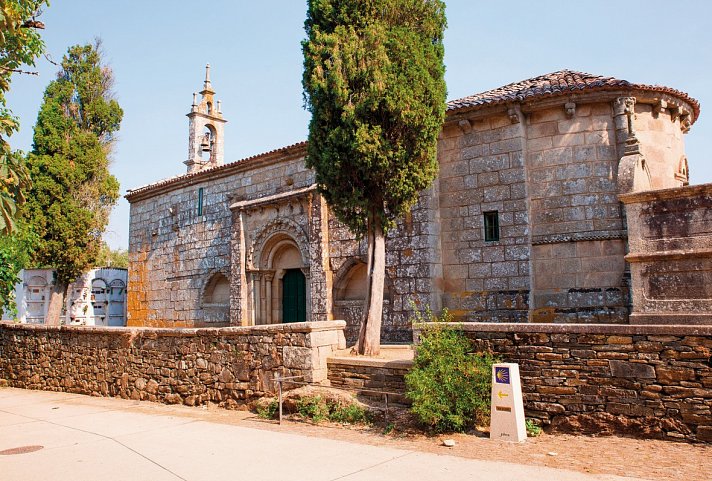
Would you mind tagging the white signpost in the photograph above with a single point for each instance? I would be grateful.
(507, 420)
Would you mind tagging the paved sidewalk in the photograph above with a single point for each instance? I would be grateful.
(85, 438)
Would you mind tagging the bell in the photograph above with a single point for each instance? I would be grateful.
(205, 144)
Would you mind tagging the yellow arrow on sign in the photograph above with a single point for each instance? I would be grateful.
(501, 394)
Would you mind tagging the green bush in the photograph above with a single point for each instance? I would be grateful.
(349, 414)
(268, 411)
(449, 384)
(314, 408)
(533, 429)
(319, 409)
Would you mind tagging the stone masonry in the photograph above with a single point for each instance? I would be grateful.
(651, 381)
(227, 366)
(544, 160)
(670, 254)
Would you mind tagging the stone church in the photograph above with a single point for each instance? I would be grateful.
(525, 223)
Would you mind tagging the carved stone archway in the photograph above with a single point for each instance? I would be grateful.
(281, 246)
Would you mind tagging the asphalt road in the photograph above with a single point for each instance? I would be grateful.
(76, 438)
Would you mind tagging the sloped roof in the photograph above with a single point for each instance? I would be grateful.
(289, 149)
(562, 82)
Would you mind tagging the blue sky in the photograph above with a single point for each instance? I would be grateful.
(158, 50)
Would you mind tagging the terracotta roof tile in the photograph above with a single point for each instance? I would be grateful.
(560, 83)
(131, 193)
(556, 83)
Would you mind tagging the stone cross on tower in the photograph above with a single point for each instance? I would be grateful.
(206, 126)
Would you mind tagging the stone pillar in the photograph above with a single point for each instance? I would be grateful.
(268, 277)
(319, 294)
(255, 284)
(238, 279)
(307, 279)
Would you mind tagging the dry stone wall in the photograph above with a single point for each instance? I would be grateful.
(227, 366)
(651, 381)
(370, 377)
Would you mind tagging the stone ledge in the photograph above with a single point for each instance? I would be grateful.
(303, 327)
(655, 318)
(668, 255)
(662, 194)
(370, 362)
(630, 329)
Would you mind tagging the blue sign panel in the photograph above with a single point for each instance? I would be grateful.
(501, 375)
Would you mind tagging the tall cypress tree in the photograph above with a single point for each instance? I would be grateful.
(374, 83)
(73, 192)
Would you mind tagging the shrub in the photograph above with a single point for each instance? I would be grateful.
(313, 408)
(318, 408)
(449, 384)
(269, 410)
(533, 429)
(349, 414)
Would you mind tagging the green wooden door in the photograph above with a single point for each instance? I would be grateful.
(294, 296)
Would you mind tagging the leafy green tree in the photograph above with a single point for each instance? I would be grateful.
(15, 253)
(73, 192)
(374, 83)
(109, 257)
(20, 44)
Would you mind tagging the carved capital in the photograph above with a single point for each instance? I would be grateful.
(624, 105)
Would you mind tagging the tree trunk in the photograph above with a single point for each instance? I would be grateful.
(56, 302)
(369, 338)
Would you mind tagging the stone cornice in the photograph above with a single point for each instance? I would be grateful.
(602, 329)
(178, 332)
(168, 185)
(664, 194)
(528, 106)
(270, 199)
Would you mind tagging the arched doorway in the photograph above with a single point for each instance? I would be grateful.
(279, 283)
(294, 297)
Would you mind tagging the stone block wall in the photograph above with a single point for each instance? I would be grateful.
(651, 381)
(227, 366)
(174, 252)
(413, 269)
(670, 238)
(578, 236)
(482, 170)
(571, 166)
(580, 281)
(369, 377)
(661, 133)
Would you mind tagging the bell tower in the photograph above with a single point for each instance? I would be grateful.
(206, 126)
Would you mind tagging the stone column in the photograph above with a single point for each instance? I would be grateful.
(256, 320)
(309, 305)
(268, 277)
(238, 279)
(319, 293)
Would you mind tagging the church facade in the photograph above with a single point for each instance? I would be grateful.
(523, 224)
